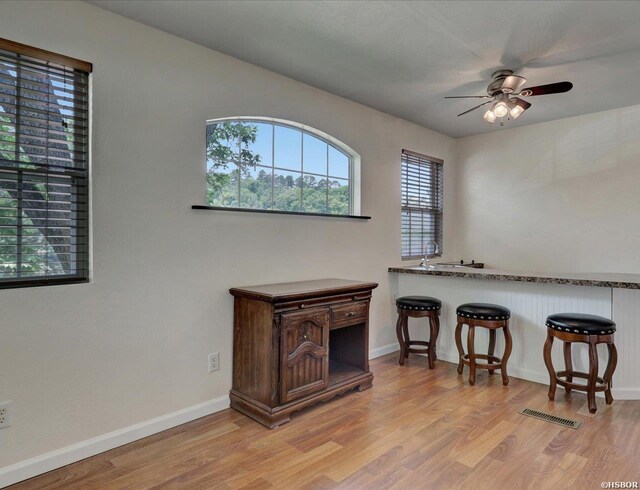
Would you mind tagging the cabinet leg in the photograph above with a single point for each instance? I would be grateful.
(278, 421)
(364, 386)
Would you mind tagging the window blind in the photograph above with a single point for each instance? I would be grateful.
(44, 167)
(422, 183)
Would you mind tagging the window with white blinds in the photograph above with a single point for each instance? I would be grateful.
(422, 182)
(44, 167)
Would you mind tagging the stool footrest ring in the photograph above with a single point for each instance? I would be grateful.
(496, 360)
(601, 386)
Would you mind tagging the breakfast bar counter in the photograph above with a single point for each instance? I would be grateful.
(606, 280)
(531, 297)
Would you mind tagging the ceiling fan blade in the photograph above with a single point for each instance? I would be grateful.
(552, 88)
(468, 97)
(512, 84)
(474, 108)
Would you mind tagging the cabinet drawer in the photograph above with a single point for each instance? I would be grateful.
(349, 314)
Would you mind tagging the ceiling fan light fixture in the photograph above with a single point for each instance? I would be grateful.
(519, 106)
(489, 116)
(500, 108)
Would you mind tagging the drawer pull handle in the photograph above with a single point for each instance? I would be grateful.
(301, 305)
(351, 313)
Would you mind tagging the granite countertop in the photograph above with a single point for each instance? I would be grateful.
(605, 280)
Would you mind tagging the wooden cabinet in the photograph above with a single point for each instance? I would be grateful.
(295, 344)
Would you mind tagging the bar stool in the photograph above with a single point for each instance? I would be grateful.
(588, 329)
(418, 307)
(488, 316)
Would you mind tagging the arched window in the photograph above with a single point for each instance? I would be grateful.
(268, 164)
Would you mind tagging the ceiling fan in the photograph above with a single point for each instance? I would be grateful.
(503, 91)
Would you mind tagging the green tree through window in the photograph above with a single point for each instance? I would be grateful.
(261, 165)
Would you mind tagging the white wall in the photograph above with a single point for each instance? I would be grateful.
(556, 196)
(83, 360)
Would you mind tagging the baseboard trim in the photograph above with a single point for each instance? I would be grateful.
(75, 452)
(383, 351)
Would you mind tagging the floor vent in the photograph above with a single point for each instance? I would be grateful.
(547, 417)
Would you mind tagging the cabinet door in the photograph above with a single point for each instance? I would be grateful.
(304, 353)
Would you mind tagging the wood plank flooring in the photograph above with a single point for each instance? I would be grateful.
(414, 429)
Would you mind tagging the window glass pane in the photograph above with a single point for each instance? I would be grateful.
(338, 163)
(338, 196)
(222, 185)
(315, 155)
(286, 190)
(255, 187)
(288, 148)
(222, 142)
(257, 143)
(314, 194)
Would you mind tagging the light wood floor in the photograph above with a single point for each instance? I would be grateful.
(414, 429)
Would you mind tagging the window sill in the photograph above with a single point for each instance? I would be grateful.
(269, 211)
(40, 282)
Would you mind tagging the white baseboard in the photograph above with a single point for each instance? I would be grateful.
(384, 350)
(70, 454)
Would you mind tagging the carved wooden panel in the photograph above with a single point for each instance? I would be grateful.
(304, 361)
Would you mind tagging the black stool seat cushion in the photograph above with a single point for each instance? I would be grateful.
(581, 323)
(483, 311)
(418, 303)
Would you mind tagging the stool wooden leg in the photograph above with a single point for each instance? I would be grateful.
(472, 355)
(593, 374)
(507, 352)
(460, 348)
(436, 322)
(492, 348)
(608, 374)
(549, 363)
(433, 337)
(405, 332)
(568, 364)
(400, 337)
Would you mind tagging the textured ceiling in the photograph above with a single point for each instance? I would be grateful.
(403, 57)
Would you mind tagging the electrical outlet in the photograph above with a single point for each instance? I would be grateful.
(214, 361)
(5, 414)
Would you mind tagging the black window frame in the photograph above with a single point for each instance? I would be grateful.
(422, 201)
(45, 113)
